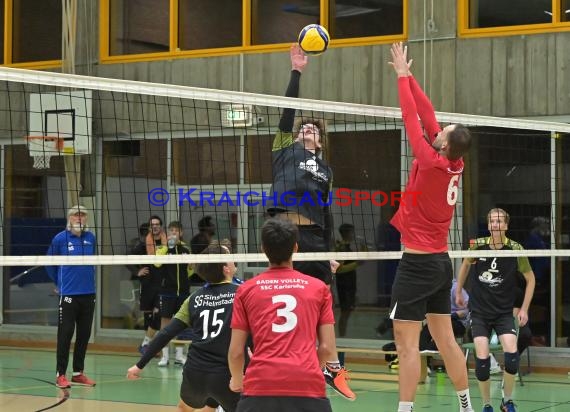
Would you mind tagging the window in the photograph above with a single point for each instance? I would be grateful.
(207, 24)
(138, 30)
(36, 30)
(280, 21)
(138, 26)
(484, 17)
(361, 18)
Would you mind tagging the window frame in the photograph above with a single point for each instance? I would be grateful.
(464, 31)
(8, 46)
(246, 47)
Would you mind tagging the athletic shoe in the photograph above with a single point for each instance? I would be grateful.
(81, 379)
(163, 362)
(179, 360)
(509, 406)
(495, 370)
(62, 382)
(487, 408)
(337, 381)
(395, 364)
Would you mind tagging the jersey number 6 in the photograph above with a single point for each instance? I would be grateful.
(453, 190)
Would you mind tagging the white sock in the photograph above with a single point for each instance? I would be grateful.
(179, 351)
(165, 354)
(464, 401)
(494, 363)
(405, 407)
(334, 365)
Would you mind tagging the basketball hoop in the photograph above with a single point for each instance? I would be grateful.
(42, 148)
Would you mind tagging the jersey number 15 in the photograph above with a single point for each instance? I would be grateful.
(217, 323)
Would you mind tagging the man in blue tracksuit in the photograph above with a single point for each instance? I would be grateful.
(76, 286)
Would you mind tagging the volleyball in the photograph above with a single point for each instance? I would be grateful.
(314, 39)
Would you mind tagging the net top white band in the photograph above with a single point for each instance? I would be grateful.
(186, 92)
(101, 260)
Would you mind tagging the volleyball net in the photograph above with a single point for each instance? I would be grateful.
(129, 150)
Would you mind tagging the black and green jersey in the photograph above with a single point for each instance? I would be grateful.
(301, 180)
(208, 312)
(176, 278)
(492, 281)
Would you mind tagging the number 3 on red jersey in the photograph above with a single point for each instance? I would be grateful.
(453, 190)
(286, 313)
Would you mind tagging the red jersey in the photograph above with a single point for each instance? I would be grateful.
(282, 310)
(424, 224)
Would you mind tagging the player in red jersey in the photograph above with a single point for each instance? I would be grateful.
(424, 276)
(286, 312)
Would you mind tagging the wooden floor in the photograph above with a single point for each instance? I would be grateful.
(27, 384)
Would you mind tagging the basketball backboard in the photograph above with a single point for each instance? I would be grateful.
(65, 115)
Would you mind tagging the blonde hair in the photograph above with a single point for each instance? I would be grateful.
(498, 211)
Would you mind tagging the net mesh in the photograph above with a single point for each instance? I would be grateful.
(184, 154)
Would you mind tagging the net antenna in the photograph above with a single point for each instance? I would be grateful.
(42, 148)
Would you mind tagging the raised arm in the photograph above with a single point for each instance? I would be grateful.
(298, 63)
(421, 148)
(425, 110)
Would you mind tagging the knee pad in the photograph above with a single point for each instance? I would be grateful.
(512, 362)
(147, 320)
(155, 324)
(483, 369)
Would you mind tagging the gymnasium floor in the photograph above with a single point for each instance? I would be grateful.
(26, 384)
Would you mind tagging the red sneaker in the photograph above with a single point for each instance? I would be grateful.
(62, 382)
(337, 380)
(81, 379)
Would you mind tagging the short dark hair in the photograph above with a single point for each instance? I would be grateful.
(345, 229)
(278, 239)
(458, 141)
(150, 219)
(212, 272)
(206, 225)
(175, 224)
(143, 229)
(301, 121)
(199, 242)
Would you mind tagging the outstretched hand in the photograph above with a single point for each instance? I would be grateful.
(400, 61)
(298, 58)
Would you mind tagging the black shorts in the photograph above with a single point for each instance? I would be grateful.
(422, 286)
(170, 304)
(283, 404)
(199, 389)
(346, 290)
(311, 239)
(503, 325)
(150, 299)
